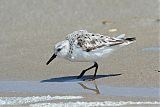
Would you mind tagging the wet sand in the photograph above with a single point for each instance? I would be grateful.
(29, 30)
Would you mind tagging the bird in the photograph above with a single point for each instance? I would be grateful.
(83, 46)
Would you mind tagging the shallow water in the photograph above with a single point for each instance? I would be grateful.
(79, 88)
(90, 87)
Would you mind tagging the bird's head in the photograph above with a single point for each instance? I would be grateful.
(61, 49)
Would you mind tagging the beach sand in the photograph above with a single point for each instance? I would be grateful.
(29, 30)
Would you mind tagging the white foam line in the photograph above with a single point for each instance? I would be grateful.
(33, 99)
(91, 104)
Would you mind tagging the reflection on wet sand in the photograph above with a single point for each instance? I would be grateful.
(96, 90)
(78, 88)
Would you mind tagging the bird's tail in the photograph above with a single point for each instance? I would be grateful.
(129, 39)
(126, 40)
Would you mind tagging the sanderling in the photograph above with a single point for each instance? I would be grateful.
(82, 46)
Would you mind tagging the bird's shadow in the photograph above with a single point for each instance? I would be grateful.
(74, 78)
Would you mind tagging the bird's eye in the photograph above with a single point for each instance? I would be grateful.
(59, 49)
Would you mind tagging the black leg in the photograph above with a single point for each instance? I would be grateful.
(96, 65)
(83, 72)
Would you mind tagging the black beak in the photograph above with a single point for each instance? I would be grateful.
(53, 56)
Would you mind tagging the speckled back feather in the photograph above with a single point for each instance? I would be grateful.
(90, 41)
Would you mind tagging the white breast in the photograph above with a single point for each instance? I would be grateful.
(82, 56)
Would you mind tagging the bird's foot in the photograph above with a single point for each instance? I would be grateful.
(90, 79)
(78, 77)
(81, 75)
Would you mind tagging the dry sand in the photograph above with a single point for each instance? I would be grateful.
(29, 29)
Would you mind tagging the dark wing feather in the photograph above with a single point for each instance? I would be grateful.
(90, 41)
